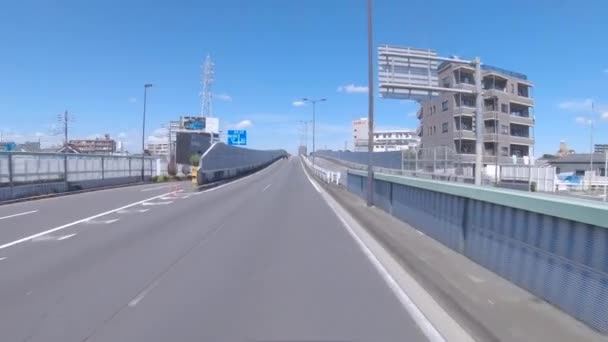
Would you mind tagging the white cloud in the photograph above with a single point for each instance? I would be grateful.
(223, 97)
(604, 116)
(159, 135)
(576, 105)
(244, 124)
(352, 89)
(582, 121)
(122, 135)
(411, 114)
(298, 103)
(132, 99)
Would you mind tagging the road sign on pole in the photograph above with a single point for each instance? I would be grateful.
(237, 137)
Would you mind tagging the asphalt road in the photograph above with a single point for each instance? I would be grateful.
(260, 259)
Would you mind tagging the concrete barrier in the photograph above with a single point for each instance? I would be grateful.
(556, 248)
(222, 162)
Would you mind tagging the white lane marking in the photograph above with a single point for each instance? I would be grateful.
(44, 238)
(100, 221)
(475, 279)
(425, 325)
(266, 187)
(157, 203)
(132, 211)
(20, 214)
(66, 237)
(491, 302)
(156, 188)
(2, 258)
(419, 232)
(31, 237)
(309, 179)
(142, 294)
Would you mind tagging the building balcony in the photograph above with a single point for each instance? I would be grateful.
(464, 134)
(508, 118)
(463, 110)
(519, 140)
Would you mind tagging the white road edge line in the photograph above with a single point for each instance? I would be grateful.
(66, 237)
(2, 258)
(157, 203)
(27, 238)
(266, 187)
(425, 325)
(20, 214)
(310, 179)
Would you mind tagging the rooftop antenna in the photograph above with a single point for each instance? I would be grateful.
(207, 83)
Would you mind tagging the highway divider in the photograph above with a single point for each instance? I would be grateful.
(221, 162)
(556, 248)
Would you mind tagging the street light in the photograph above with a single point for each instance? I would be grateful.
(143, 130)
(314, 103)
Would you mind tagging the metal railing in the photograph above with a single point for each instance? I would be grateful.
(327, 176)
(25, 169)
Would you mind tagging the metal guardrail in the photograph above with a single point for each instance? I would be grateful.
(327, 176)
(556, 248)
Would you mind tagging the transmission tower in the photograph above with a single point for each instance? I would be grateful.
(207, 83)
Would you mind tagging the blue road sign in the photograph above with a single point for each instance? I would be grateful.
(237, 137)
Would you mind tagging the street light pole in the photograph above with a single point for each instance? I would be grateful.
(314, 105)
(370, 109)
(143, 130)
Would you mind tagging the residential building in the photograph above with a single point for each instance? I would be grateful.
(158, 148)
(29, 146)
(600, 148)
(384, 140)
(508, 121)
(103, 145)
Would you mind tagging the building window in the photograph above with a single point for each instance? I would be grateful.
(504, 151)
(504, 129)
(512, 88)
(434, 129)
(580, 173)
(444, 106)
(557, 170)
(444, 127)
(434, 109)
(504, 108)
(446, 82)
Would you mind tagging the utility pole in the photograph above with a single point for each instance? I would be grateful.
(314, 103)
(143, 131)
(370, 108)
(65, 129)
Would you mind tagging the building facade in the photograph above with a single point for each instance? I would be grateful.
(508, 120)
(600, 148)
(104, 145)
(158, 148)
(384, 140)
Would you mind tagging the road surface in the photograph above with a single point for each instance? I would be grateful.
(260, 259)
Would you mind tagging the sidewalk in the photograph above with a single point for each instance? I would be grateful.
(489, 307)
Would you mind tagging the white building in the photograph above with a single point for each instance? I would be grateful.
(158, 148)
(384, 140)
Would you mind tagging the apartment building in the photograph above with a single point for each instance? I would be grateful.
(104, 145)
(384, 140)
(158, 148)
(508, 121)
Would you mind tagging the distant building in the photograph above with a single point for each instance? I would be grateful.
(302, 150)
(600, 148)
(384, 140)
(563, 149)
(103, 145)
(579, 163)
(158, 148)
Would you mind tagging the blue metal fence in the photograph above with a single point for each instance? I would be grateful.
(564, 262)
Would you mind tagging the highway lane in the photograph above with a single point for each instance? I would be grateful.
(26, 218)
(258, 260)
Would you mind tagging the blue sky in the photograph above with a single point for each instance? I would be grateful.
(93, 57)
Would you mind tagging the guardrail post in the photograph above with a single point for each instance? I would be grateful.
(10, 173)
(102, 168)
(129, 158)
